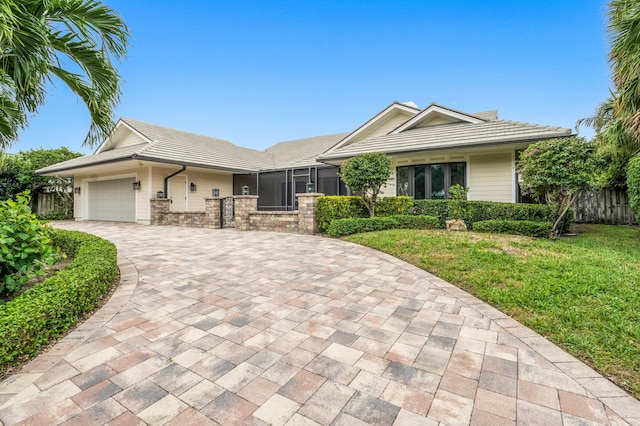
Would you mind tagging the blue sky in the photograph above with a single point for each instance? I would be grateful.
(261, 72)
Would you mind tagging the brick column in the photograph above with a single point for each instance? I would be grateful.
(212, 213)
(307, 217)
(242, 205)
(159, 206)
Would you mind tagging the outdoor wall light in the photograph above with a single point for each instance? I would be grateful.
(76, 190)
(245, 190)
(136, 185)
(160, 194)
(215, 193)
(310, 187)
(193, 187)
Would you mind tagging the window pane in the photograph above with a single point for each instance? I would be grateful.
(419, 182)
(402, 181)
(457, 174)
(437, 181)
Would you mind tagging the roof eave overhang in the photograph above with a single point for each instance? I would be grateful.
(70, 170)
(57, 172)
(191, 164)
(339, 159)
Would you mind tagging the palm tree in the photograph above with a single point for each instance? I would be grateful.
(617, 120)
(624, 35)
(41, 40)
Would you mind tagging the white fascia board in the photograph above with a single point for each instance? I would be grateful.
(376, 119)
(435, 109)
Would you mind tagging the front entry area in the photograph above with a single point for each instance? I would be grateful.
(178, 193)
(112, 200)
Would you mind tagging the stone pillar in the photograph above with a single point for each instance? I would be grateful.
(242, 205)
(159, 206)
(212, 213)
(307, 217)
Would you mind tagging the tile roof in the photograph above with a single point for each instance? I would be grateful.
(457, 135)
(302, 152)
(173, 146)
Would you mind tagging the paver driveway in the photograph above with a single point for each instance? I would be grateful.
(220, 326)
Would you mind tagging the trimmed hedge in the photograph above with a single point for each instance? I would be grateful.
(517, 227)
(49, 309)
(393, 206)
(334, 207)
(340, 227)
(478, 211)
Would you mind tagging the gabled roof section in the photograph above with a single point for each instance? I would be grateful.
(122, 135)
(165, 145)
(381, 123)
(302, 152)
(451, 136)
(436, 114)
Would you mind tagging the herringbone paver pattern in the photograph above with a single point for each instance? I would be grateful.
(224, 327)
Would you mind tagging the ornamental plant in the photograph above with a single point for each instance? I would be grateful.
(25, 244)
(365, 174)
(558, 171)
(458, 194)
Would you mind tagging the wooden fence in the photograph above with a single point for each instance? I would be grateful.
(606, 206)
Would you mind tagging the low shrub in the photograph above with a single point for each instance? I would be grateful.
(516, 227)
(340, 227)
(392, 206)
(334, 207)
(478, 211)
(55, 216)
(51, 308)
(25, 244)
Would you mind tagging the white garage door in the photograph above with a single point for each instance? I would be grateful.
(113, 200)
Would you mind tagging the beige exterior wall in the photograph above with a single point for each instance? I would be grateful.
(152, 181)
(205, 182)
(382, 128)
(130, 140)
(491, 177)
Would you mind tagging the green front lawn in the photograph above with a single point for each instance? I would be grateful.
(581, 292)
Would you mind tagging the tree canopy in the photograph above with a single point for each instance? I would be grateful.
(17, 171)
(558, 170)
(617, 120)
(365, 174)
(72, 41)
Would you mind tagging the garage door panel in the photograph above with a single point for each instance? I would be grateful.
(112, 200)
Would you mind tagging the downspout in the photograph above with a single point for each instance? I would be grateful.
(166, 180)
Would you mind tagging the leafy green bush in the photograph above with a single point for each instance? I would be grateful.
(633, 185)
(516, 227)
(457, 208)
(25, 244)
(478, 211)
(349, 226)
(334, 207)
(49, 309)
(391, 206)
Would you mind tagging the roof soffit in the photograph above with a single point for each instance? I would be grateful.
(390, 112)
(433, 112)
